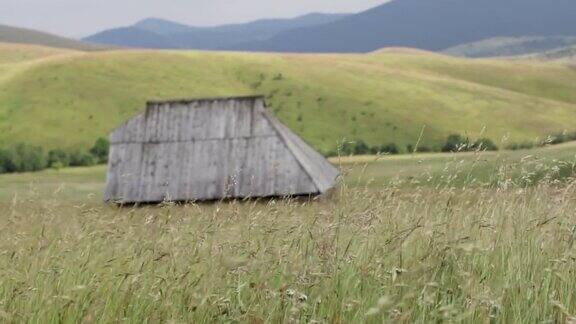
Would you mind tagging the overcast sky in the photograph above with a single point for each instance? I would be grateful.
(82, 17)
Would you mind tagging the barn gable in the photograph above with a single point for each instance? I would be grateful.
(209, 149)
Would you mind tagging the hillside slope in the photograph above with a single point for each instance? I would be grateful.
(511, 46)
(16, 35)
(16, 53)
(69, 99)
(566, 54)
(428, 24)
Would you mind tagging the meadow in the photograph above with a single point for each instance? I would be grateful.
(474, 237)
(67, 99)
(439, 237)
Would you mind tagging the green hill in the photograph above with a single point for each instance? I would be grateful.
(68, 99)
(566, 54)
(511, 46)
(17, 35)
(17, 53)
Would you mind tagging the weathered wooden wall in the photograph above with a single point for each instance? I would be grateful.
(211, 149)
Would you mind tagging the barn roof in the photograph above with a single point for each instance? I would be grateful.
(169, 132)
(191, 100)
(318, 168)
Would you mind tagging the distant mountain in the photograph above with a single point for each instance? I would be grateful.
(511, 46)
(130, 37)
(161, 26)
(17, 35)
(427, 24)
(159, 33)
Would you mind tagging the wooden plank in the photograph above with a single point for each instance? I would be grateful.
(321, 171)
(210, 149)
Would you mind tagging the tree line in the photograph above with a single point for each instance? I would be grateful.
(23, 157)
(553, 139)
(27, 158)
(454, 143)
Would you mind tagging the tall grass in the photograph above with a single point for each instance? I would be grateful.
(421, 254)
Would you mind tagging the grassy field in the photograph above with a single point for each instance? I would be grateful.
(69, 99)
(471, 237)
(433, 170)
(400, 241)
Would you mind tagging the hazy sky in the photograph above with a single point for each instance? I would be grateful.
(82, 17)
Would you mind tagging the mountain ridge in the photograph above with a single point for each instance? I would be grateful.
(162, 33)
(160, 26)
(430, 25)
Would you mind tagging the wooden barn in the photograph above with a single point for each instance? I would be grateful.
(209, 149)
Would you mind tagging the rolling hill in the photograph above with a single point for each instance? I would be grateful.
(511, 46)
(160, 33)
(17, 53)
(16, 35)
(427, 24)
(70, 98)
(566, 54)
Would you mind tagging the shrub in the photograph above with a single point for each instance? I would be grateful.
(101, 149)
(520, 146)
(58, 158)
(484, 144)
(420, 149)
(347, 148)
(456, 143)
(560, 138)
(81, 158)
(22, 158)
(7, 161)
(354, 148)
(361, 148)
(28, 158)
(330, 153)
(389, 148)
(425, 149)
